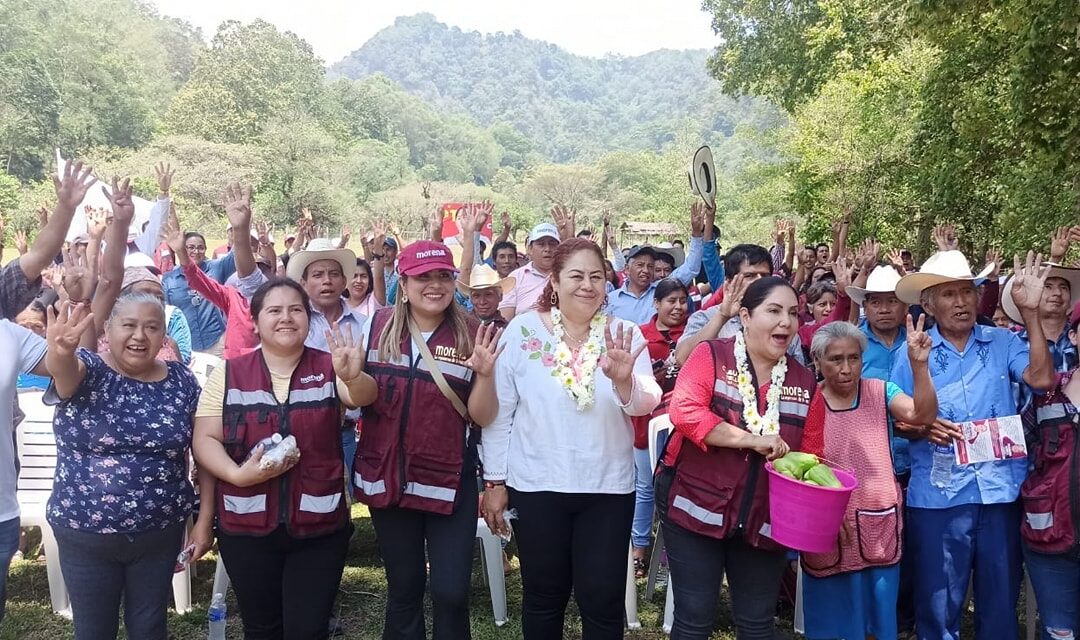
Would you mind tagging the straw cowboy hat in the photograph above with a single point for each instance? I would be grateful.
(703, 176)
(484, 277)
(883, 279)
(940, 268)
(321, 249)
(1072, 276)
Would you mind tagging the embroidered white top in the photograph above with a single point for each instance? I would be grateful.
(539, 440)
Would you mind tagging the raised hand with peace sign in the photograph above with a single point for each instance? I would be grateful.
(918, 341)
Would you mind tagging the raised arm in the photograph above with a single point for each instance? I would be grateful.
(728, 309)
(112, 261)
(435, 222)
(507, 228)
(921, 407)
(70, 191)
(238, 211)
(991, 294)
(841, 233)
(468, 218)
(148, 240)
(789, 254)
(565, 221)
(64, 332)
(690, 269)
(215, 292)
(1028, 282)
(378, 262)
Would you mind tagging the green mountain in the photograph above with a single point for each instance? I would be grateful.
(570, 107)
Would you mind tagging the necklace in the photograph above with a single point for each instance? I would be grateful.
(575, 369)
(757, 424)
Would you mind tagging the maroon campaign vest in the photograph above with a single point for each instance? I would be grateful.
(1051, 493)
(722, 492)
(412, 448)
(308, 499)
(858, 439)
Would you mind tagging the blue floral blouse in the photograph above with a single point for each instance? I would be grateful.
(122, 451)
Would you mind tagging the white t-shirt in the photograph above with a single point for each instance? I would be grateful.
(22, 351)
(539, 440)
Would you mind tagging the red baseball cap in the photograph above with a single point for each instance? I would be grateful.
(423, 256)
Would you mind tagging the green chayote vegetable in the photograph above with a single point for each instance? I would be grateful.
(799, 463)
(822, 475)
(787, 467)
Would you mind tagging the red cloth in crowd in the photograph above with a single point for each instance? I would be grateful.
(813, 439)
(660, 347)
(240, 335)
(715, 299)
(222, 250)
(839, 313)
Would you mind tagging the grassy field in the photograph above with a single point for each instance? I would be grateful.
(363, 589)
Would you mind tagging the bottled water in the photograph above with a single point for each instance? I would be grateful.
(216, 617)
(941, 471)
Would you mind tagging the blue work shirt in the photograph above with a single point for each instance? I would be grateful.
(1063, 353)
(205, 320)
(639, 309)
(973, 384)
(878, 361)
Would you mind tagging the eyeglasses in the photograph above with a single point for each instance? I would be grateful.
(194, 248)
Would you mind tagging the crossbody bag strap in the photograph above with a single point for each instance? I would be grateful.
(436, 373)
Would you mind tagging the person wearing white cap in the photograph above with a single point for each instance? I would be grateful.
(964, 520)
(531, 279)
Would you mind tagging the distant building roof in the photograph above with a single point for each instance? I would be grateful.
(650, 228)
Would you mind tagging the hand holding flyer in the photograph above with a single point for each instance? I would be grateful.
(991, 439)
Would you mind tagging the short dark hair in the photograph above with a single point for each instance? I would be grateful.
(668, 286)
(259, 297)
(584, 233)
(761, 288)
(820, 246)
(194, 234)
(748, 253)
(502, 246)
(665, 257)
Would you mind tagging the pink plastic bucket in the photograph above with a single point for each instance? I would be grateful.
(807, 517)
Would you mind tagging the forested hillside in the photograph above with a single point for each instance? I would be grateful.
(570, 107)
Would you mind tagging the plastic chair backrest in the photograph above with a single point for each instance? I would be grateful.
(37, 450)
(658, 425)
(202, 364)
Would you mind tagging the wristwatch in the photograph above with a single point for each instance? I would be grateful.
(491, 484)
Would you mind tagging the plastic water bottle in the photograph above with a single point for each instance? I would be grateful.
(216, 617)
(941, 471)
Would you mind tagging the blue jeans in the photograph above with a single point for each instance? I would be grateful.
(348, 451)
(1056, 580)
(946, 547)
(9, 544)
(100, 569)
(641, 532)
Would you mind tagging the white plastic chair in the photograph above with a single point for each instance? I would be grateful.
(660, 425)
(491, 556)
(202, 364)
(37, 461)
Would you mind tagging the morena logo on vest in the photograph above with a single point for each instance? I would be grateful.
(312, 378)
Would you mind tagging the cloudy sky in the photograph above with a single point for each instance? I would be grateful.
(588, 27)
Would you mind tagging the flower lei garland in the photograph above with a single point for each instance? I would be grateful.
(769, 424)
(576, 374)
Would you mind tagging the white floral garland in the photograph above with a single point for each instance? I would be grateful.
(769, 424)
(577, 375)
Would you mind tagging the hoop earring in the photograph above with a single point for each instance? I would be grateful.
(404, 299)
(554, 299)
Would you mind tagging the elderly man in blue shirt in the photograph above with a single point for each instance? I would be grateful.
(634, 300)
(965, 519)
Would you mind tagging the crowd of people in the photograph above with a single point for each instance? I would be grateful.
(521, 388)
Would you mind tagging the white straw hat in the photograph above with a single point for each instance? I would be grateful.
(942, 267)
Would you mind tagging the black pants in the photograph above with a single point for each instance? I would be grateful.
(572, 541)
(403, 535)
(285, 586)
(698, 565)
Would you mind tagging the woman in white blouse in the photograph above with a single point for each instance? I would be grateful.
(561, 450)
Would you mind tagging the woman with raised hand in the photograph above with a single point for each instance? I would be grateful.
(267, 428)
(737, 403)
(661, 333)
(561, 450)
(850, 591)
(426, 385)
(123, 428)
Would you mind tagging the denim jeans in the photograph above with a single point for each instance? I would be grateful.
(100, 569)
(1056, 580)
(641, 533)
(9, 544)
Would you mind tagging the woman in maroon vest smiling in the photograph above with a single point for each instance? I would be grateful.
(283, 528)
(425, 383)
(737, 402)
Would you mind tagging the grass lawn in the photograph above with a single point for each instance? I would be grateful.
(363, 589)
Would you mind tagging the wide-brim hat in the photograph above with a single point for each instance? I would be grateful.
(883, 279)
(321, 249)
(702, 174)
(1072, 276)
(484, 277)
(940, 268)
(677, 254)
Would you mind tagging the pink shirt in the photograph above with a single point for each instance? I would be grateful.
(240, 335)
(530, 284)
